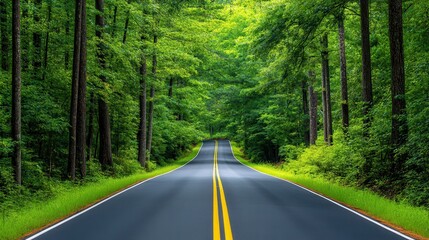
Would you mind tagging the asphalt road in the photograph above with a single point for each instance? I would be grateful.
(216, 197)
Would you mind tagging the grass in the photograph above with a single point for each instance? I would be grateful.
(413, 220)
(73, 199)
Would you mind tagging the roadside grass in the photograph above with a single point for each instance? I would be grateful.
(73, 198)
(396, 214)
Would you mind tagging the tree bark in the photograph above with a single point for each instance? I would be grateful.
(105, 154)
(4, 36)
(367, 96)
(399, 115)
(142, 139)
(67, 32)
(81, 107)
(306, 123)
(343, 69)
(151, 100)
(170, 87)
(313, 115)
(74, 94)
(90, 136)
(16, 91)
(326, 92)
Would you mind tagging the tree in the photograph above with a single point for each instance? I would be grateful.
(399, 133)
(81, 97)
(326, 91)
(16, 90)
(75, 89)
(343, 70)
(105, 156)
(151, 99)
(313, 115)
(37, 41)
(141, 135)
(366, 66)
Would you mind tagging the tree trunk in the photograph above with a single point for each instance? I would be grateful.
(343, 69)
(16, 90)
(326, 92)
(151, 101)
(74, 94)
(366, 66)
(127, 20)
(115, 13)
(399, 116)
(313, 115)
(37, 41)
(90, 136)
(45, 57)
(170, 87)
(306, 122)
(105, 154)
(4, 36)
(81, 107)
(142, 139)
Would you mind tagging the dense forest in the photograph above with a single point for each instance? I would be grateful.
(335, 89)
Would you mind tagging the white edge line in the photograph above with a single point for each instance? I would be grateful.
(105, 200)
(330, 200)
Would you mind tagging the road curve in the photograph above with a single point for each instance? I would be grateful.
(216, 197)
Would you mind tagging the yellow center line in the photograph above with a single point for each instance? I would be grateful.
(216, 227)
(225, 214)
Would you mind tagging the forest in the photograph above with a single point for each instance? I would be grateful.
(335, 89)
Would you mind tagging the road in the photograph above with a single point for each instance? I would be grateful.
(216, 197)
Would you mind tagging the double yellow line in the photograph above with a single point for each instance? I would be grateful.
(216, 223)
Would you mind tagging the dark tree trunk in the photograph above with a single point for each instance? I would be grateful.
(399, 116)
(127, 20)
(74, 94)
(105, 155)
(170, 88)
(151, 101)
(37, 41)
(306, 123)
(16, 91)
(142, 139)
(326, 92)
(343, 69)
(45, 57)
(4, 36)
(366, 66)
(90, 137)
(81, 107)
(150, 122)
(313, 115)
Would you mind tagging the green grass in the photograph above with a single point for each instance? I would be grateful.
(72, 199)
(410, 218)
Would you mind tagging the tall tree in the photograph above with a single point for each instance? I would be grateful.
(81, 102)
(16, 90)
(105, 155)
(45, 57)
(313, 115)
(399, 116)
(151, 99)
(366, 66)
(75, 86)
(4, 36)
(326, 91)
(343, 70)
(142, 138)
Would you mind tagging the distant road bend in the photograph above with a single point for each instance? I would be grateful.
(216, 197)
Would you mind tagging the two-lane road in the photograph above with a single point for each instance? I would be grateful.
(216, 197)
